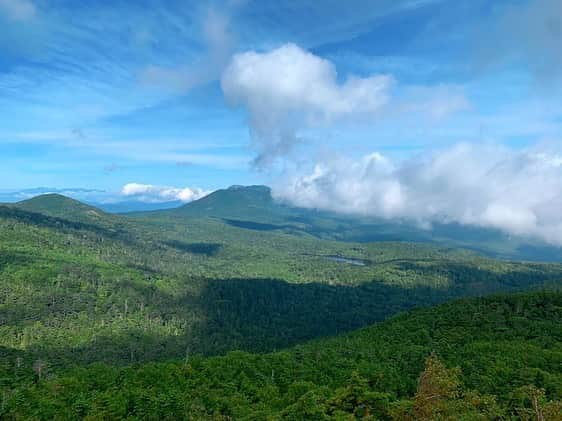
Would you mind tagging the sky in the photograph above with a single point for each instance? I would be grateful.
(419, 109)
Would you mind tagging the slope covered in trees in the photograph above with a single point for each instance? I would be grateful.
(254, 208)
(123, 291)
(100, 302)
(57, 205)
(485, 358)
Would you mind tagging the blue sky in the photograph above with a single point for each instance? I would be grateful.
(98, 94)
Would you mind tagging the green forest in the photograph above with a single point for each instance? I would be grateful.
(233, 307)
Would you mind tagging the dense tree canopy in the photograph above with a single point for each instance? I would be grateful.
(490, 358)
(111, 317)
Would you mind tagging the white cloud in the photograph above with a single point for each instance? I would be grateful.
(528, 32)
(289, 88)
(18, 10)
(155, 194)
(437, 102)
(180, 151)
(219, 42)
(517, 191)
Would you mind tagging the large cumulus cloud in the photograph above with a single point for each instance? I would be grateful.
(517, 191)
(289, 88)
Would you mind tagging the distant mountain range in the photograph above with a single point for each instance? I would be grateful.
(253, 208)
(9, 196)
(98, 198)
(114, 316)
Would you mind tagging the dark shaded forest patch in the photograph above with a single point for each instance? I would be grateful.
(207, 249)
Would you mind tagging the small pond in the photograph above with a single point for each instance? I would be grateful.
(339, 259)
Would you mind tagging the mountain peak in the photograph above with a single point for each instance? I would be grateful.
(48, 196)
(239, 202)
(50, 199)
(256, 188)
(57, 205)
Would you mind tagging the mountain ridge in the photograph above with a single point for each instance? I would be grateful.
(59, 206)
(254, 208)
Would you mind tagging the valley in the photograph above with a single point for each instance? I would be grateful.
(80, 287)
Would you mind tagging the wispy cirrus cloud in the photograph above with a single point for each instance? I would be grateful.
(219, 41)
(270, 24)
(169, 151)
(18, 10)
(84, 74)
(524, 33)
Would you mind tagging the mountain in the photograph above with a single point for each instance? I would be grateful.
(138, 289)
(253, 208)
(11, 196)
(100, 199)
(59, 206)
(485, 358)
(66, 209)
(242, 202)
(103, 310)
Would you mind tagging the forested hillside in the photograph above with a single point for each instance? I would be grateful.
(56, 205)
(124, 291)
(127, 294)
(254, 208)
(486, 358)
